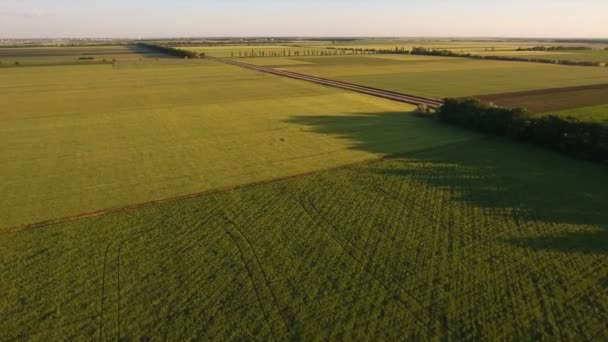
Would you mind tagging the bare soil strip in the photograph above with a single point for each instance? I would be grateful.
(386, 94)
(544, 100)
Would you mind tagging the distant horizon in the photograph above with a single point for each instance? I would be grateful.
(46, 19)
(311, 37)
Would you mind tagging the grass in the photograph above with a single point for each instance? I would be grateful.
(82, 139)
(445, 77)
(591, 113)
(36, 56)
(466, 241)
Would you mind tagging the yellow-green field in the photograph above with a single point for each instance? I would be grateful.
(480, 240)
(591, 113)
(30, 56)
(470, 46)
(442, 76)
(597, 55)
(84, 138)
(457, 236)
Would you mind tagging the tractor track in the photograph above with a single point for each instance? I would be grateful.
(388, 282)
(385, 94)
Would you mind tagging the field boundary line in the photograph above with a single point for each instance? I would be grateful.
(382, 93)
(168, 200)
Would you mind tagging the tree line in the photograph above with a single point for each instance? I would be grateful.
(329, 51)
(555, 48)
(449, 53)
(583, 140)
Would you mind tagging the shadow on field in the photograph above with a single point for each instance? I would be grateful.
(535, 189)
(148, 52)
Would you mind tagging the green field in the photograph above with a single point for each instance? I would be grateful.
(566, 55)
(78, 139)
(484, 48)
(480, 240)
(591, 113)
(315, 213)
(32, 56)
(443, 76)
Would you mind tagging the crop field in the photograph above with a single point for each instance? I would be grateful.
(488, 48)
(87, 138)
(153, 198)
(553, 99)
(478, 46)
(466, 241)
(597, 113)
(72, 55)
(566, 55)
(441, 77)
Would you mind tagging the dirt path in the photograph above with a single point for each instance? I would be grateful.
(386, 94)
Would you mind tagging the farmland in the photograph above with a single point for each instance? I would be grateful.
(81, 139)
(441, 77)
(40, 56)
(553, 99)
(157, 198)
(509, 48)
(470, 240)
(596, 55)
(597, 113)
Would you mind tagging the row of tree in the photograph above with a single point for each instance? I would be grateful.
(170, 50)
(584, 140)
(555, 48)
(449, 53)
(304, 52)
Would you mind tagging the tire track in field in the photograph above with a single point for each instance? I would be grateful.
(237, 237)
(103, 288)
(118, 247)
(510, 265)
(104, 291)
(410, 203)
(118, 288)
(390, 284)
(435, 221)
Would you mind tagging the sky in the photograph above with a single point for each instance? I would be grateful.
(303, 18)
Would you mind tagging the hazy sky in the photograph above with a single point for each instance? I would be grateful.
(161, 18)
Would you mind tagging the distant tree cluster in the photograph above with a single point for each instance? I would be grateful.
(555, 48)
(584, 140)
(435, 52)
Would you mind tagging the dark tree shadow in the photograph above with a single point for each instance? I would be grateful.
(487, 172)
(148, 52)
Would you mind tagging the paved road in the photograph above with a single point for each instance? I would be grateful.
(386, 94)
